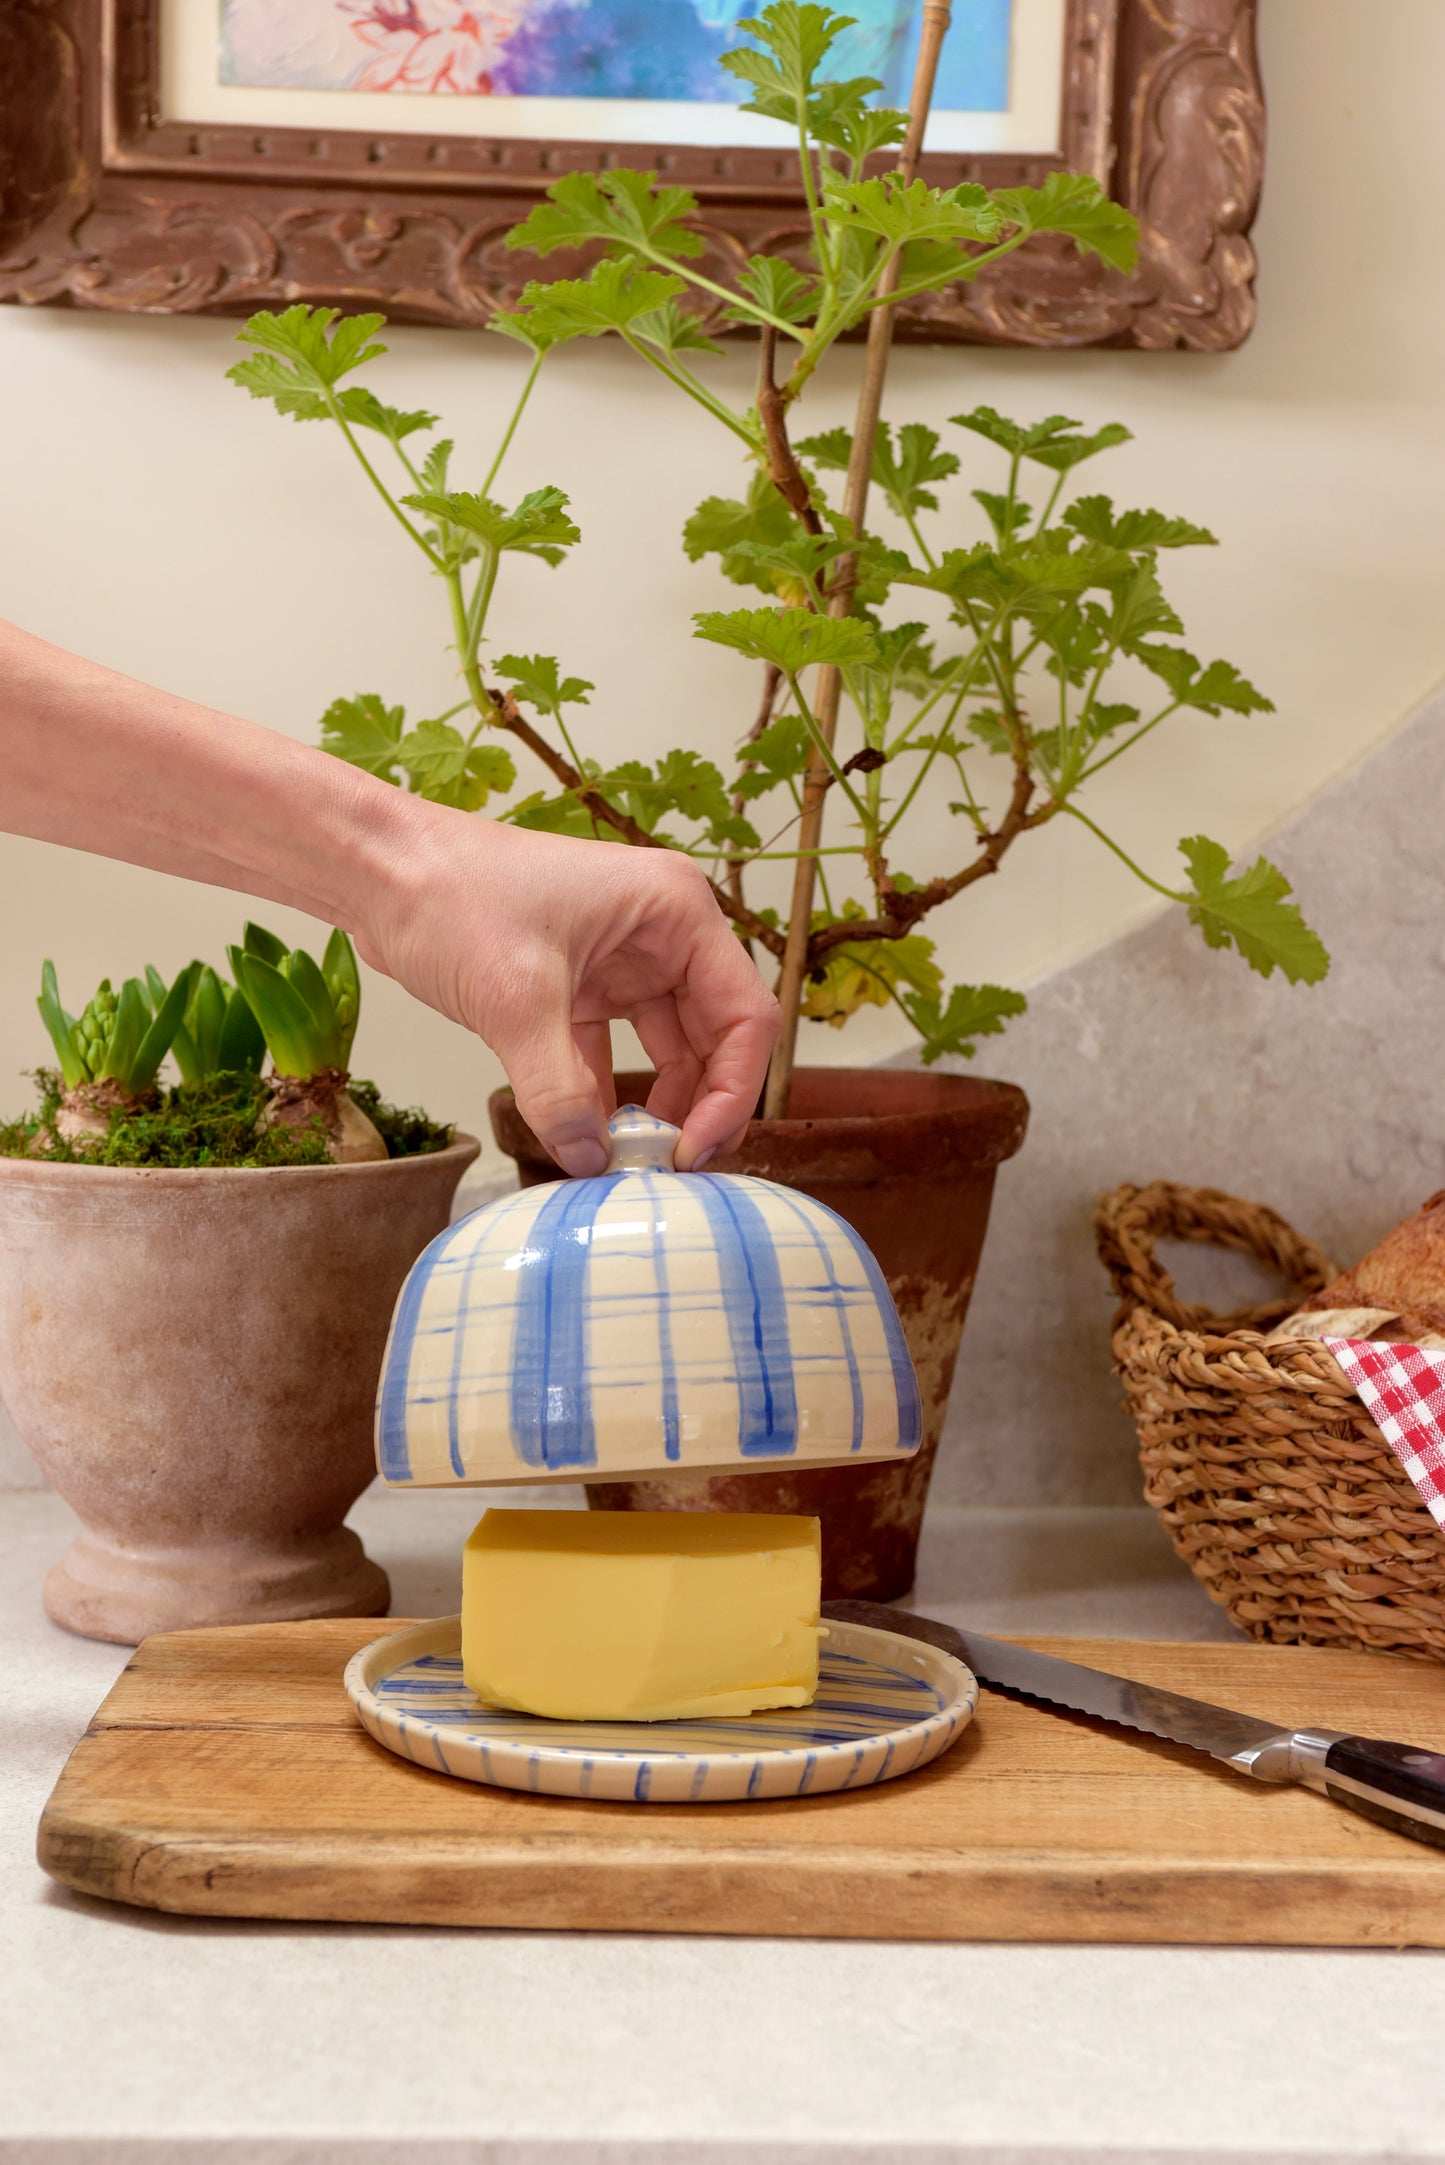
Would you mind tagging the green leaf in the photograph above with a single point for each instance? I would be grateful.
(442, 768)
(434, 466)
(780, 287)
(610, 298)
(1055, 442)
(365, 410)
(831, 448)
(778, 754)
(537, 527)
(539, 683)
(840, 116)
(240, 1046)
(217, 1034)
(625, 210)
(302, 354)
(902, 470)
(158, 1038)
(1007, 519)
(902, 473)
(1249, 912)
(295, 1042)
(796, 41)
(1096, 518)
(1211, 689)
(562, 814)
(304, 973)
(524, 329)
(258, 941)
(365, 732)
(74, 1069)
(1140, 608)
(792, 639)
(734, 530)
(673, 330)
(793, 566)
(970, 1012)
(343, 981)
(1074, 204)
(899, 212)
(682, 782)
(121, 1059)
(867, 973)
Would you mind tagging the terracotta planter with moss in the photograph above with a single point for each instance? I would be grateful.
(909, 1161)
(191, 1357)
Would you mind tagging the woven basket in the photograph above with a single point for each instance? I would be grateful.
(1274, 1484)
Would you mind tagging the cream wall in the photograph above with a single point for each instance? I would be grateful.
(157, 520)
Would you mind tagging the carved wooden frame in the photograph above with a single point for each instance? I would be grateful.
(105, 203)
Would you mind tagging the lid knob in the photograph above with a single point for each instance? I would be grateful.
(641, 1143)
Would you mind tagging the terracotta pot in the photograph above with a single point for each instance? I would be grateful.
(909, 1160)
(192, 1359)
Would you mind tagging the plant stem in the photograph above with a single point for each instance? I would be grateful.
(829, 685)
(1172, 894)
(1100, 764)
(380, 486)
(684, 381)
(511, 429)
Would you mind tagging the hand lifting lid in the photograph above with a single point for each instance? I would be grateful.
(641, 1321)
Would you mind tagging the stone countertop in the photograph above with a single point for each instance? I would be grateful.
(129, 2037)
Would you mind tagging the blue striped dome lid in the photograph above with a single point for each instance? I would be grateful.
(642, 1321)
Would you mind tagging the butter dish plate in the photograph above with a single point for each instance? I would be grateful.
(885, 1706)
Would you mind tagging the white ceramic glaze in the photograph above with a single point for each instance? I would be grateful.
(885, 1705)
(642, 1322)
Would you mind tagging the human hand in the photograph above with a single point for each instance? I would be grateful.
(537, 942)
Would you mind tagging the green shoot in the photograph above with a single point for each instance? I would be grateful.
(217, 1034)
(306, 1012)
(119, 1037)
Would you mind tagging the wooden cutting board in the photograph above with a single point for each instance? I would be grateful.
(226, 1776)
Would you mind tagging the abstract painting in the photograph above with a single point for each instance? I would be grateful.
(632, 49)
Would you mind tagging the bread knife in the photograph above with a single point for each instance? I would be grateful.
(1401, 1786)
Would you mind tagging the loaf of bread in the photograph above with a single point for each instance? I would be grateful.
(1403, 1278)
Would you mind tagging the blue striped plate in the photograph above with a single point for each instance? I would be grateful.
(885, 1705)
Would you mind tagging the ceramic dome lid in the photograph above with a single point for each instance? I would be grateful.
(641, 1322)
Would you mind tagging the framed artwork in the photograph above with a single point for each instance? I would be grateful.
(225, 155)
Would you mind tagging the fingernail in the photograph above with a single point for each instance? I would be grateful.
(583, 1160)
(703, 1158)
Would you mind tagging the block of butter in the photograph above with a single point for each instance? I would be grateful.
(641, 1615)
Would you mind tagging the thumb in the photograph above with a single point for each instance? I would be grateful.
(558, 1096)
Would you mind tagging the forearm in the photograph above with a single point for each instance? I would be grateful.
(99, 762)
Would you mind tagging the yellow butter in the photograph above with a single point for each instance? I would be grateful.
(641, 1615)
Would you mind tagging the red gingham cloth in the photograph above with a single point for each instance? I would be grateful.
(1403, 1389)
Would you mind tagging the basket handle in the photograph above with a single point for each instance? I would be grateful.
(1130, 1220)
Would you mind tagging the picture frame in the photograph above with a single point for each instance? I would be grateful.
(109, 202)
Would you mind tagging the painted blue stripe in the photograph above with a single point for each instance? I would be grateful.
(757, 1317)
(643, 1782)
(551, 1398)
(671, 1419)
(838, 1302)
(905, 1380)
(392, 1454)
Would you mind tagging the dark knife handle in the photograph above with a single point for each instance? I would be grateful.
(1399, 1785)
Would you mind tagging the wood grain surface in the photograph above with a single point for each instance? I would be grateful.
(226, 1776)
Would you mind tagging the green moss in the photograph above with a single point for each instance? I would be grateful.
(407, 1131)
(216, 1125)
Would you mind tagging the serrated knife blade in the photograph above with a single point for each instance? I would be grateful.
(1401, 1786)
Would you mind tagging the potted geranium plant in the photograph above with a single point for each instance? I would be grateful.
(196, 1282)
(1005, 646)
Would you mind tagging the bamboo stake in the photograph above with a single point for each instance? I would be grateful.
(828, 685)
